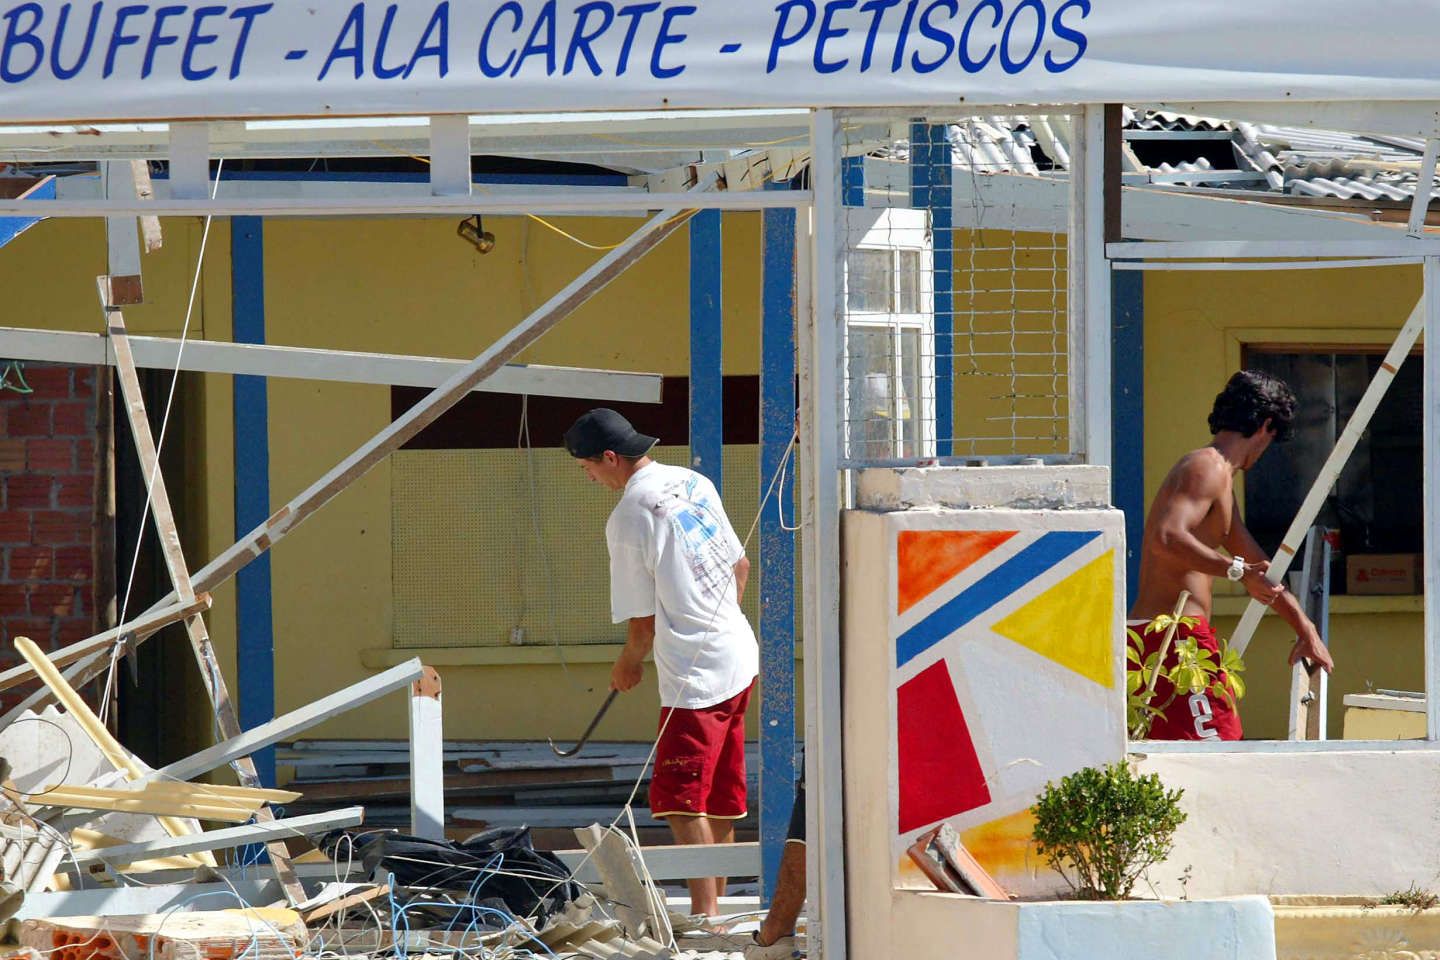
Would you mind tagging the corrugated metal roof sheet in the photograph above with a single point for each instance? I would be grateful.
(1298, 161)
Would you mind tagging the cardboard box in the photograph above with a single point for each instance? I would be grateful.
(1376, 573)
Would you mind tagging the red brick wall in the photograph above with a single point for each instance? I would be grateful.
(47, 508)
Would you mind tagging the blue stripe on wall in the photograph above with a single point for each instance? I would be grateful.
(989, 590)
(706, 381)
(777, 545)
(1127, 406)
(254, 624)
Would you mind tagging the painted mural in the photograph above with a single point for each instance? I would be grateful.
(1007, 673)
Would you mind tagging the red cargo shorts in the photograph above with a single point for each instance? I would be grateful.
(700, 761)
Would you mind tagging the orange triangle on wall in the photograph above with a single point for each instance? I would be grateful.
(928, 558)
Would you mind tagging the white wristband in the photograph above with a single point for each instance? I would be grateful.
(1237, 568)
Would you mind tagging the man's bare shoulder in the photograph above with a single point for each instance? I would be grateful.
(1202, 469)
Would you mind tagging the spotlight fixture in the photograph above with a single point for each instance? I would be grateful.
(474, 232)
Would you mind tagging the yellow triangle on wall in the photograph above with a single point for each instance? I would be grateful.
(1071, 622)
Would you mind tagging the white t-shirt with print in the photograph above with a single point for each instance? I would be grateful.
(672, 554)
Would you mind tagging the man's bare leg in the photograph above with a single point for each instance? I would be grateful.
(724, 832)
(788, 898)
(689, 831)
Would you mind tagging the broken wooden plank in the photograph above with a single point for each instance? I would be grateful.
(91, 724)
(153, 799)
(150, 235)
(638, 906)
(168, 536)
(227, 837)
(328, 910)
(142, 626)
(82, 838)
(336, 366)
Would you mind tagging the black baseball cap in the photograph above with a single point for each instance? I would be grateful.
(603, 429)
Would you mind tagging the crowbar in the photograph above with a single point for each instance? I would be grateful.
(584, 737)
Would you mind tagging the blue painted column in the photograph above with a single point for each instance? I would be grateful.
(930, 189)
(852, 178)
(254, 623)
(777, 545)
(707, 383)
(1127, 405)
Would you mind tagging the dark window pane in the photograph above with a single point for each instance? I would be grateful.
(1376, 504)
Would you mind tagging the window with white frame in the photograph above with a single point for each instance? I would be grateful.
(889, 351)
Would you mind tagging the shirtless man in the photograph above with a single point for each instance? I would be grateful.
(1194, 514)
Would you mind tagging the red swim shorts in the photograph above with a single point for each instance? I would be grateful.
(700, 761)
(1200, 716)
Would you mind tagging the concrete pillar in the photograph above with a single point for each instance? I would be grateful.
(983, 657)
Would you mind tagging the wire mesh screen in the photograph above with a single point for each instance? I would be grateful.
(953, 289)
(495, 547)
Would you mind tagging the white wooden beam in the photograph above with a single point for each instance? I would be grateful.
(270, 832)
(450, 156)
(427, 758)
(1397, 245)
(189, 163)
(296, 721)
(1424, 187)
(405, 204)
(1252, 265)
(819, 344)
(122, 236)
(1088, 299)
(122, 901)
(1430, 437)
(342, 366)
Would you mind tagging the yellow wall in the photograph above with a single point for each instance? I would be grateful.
(1195, 326)
(394, 286)
(410, 286)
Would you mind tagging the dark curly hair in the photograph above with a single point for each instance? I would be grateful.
(1249, 399)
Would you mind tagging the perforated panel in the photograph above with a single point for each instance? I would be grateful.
(485, 541)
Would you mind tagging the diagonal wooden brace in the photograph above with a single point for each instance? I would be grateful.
(169, 537)
(417, 418)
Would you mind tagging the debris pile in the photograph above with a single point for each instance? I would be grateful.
(104, 858)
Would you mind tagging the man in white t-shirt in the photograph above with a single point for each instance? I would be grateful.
(677, 573)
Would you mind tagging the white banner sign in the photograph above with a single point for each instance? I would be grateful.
(112, 59)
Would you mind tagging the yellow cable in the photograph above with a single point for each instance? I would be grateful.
(595, 246)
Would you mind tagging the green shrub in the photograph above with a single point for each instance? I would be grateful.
(1100, 828)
